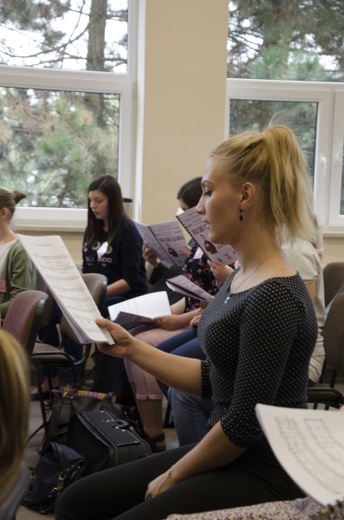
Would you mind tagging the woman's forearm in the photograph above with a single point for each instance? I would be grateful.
(117, 288)
(215, 450)
(182, 374)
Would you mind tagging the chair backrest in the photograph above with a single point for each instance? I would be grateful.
(96, 284)
(47, 316)
(23, 318)
(333, 333)
(333, 279)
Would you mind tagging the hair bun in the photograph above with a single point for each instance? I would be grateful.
(18, 196)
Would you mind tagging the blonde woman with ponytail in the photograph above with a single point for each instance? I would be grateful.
(258, 334)
(17, 272)
(14, 410)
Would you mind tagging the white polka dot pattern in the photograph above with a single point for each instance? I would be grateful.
(258, 346)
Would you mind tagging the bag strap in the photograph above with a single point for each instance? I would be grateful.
(60, 415)
(63, 417)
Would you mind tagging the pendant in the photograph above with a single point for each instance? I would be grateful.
(228, 298)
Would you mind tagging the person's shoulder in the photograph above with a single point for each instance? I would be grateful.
(17, 253)
(17, 247)
(128, 223)
(128, 226)
(279, 284)
(279, 293)
(304, 257)
(301, 249)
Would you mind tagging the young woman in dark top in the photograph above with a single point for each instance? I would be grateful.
(258, 335)
(112, 246)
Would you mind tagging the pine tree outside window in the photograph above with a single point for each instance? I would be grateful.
(286, 62)
(66, 81)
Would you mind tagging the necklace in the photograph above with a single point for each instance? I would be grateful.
(7, 238)
(249, 275)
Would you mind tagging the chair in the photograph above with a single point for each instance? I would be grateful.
(45, 355)
(24, 317)
(329, 397)
(9, 506)
(333, 333)
(48, 317)
(333, 280)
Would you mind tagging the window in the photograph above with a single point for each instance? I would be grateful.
(66, 89)
(315, 112)
(286, 60)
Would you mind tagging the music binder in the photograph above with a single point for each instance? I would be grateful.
(198, 230)
(166, 239)
(183, 285)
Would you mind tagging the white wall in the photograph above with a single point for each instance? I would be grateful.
(181, 94)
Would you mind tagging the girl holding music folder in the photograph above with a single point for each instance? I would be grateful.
(258, 334)
(112, 246)
(147, 392)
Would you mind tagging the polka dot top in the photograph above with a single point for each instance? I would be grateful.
(258, 344)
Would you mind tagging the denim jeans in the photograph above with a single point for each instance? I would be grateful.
(190, 416)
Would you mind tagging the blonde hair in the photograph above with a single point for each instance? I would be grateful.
(274, 162)
(14, 408)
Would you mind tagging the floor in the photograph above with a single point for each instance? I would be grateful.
(32, 455)
(32, 450)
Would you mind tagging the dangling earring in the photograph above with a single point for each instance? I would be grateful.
(241, 216)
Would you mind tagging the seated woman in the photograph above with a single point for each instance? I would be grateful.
(258, 334)
(17, 272)
(190, 415)
(112, 246)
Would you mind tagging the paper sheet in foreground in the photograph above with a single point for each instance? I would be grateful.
(52, 259)
(310, 446)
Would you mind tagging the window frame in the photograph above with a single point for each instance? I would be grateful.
(123, 84)
(329, 134)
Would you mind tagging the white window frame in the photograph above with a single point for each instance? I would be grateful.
(84, 81)
(329, 134)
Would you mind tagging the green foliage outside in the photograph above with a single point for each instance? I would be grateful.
(297, 40)
(286, 40)
(52, 143)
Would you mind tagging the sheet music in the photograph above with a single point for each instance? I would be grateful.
(166, 239)
(310, 446)
(183, 285)
(192, 221)
(52, 259)
(148, 305)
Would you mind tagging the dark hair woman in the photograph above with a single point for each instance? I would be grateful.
(113, 247)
